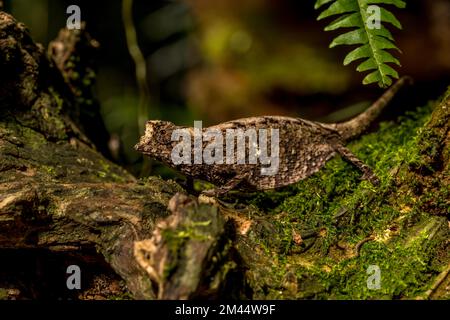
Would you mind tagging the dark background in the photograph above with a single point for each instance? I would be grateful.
(225, 59)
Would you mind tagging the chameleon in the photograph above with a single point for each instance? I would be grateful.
(304, 148)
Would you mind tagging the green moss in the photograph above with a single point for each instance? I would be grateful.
(405, 268)
(176, 239)
(174, 244)
(124, 296)
(50, 170)
(345, 210)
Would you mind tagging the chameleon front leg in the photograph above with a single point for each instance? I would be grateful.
(230, 185)
(351, 157)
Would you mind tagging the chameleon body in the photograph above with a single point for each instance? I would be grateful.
(304, 148)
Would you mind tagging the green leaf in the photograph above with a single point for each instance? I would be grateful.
(346, 21)
(339, 7)
(372, 43)
(358, 53)
(372, 78)
(387, 16)
(353, 37)
(370, 64)
(320, 3)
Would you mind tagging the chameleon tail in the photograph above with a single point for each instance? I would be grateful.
(356, 126)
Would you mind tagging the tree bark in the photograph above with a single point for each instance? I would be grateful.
(56, 190)
(60, 194)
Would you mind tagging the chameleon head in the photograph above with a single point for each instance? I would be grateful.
(157, 135)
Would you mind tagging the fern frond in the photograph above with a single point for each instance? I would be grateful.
(373, 43)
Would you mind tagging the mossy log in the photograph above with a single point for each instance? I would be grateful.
(190, 254)
(315, 239)
(56, 190)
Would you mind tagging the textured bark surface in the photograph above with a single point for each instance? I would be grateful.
(56, 191)
(60, 195)
(190, 254)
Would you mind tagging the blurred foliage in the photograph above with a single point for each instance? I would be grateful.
(224, 59)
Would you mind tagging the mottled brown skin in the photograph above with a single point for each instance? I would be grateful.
(305, 147)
